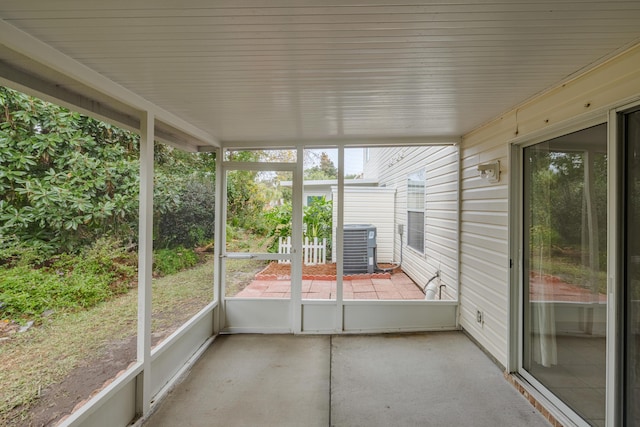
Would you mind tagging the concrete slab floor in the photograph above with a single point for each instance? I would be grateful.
(422, 379)
(253, 380)
(427, 379)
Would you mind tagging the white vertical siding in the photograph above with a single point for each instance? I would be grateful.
(484, 248)
(391, 167)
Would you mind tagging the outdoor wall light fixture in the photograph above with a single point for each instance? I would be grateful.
(490, 171)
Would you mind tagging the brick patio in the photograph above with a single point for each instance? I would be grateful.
(398, 287)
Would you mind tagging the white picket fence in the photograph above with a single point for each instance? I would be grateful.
(313, 252)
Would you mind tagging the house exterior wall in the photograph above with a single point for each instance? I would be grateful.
(391, 166)
(370, 206)
(484, 228)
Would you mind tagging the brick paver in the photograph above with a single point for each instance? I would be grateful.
(398, 287)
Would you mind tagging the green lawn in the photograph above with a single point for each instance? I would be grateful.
(44, 355)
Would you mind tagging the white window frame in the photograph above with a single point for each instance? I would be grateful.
(416, 207)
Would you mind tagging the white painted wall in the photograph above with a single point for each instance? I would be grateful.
(484, 256)
(390, 166)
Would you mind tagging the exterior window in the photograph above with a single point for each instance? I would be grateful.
(415, 210)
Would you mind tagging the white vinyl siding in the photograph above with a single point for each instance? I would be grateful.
(373, 206)
(484, 247)
(440, 165)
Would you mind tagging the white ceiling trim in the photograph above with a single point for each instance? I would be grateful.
(346, 142)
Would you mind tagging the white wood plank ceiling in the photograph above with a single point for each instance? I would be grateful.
(292, 70)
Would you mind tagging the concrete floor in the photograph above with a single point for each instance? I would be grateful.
(426, 379)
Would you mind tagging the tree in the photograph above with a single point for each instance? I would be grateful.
(324, 170)
(67, 179)
(64, 179)
(245, 196)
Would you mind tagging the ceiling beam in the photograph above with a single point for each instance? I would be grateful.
(345, 142)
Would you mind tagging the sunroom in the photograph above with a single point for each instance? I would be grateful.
(506, 136)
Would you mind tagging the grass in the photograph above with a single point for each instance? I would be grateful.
(240, 272)
(572, 272)
(44, 355)
(31, 361)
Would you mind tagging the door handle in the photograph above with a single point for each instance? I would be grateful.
(238, 256)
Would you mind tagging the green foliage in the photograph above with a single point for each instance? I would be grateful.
(245, 201)
(317, 221)
(558, 199)
(27, 293)
(318, 218)
(68, 283)
(171, 261)
(15, 252)
(65, 178)
(189, 219)
(105, 257)
(325, 170)
(278, 220)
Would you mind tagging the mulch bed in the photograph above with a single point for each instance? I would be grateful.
(277, 271)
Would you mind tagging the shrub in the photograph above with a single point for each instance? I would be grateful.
(27, 293)
(31, 286)
(170, 261)
(15, 252)
(317, 220)
(190, 219)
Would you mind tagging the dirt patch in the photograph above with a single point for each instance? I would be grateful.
(59, 400)
(7, 328)
(81, 384)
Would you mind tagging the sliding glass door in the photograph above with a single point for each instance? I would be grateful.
(564, 269)
(631, 267)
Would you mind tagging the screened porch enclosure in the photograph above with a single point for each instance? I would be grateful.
(354, 288)
(536, 262)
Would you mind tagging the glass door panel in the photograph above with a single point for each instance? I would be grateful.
(565, 241)
(632, 269)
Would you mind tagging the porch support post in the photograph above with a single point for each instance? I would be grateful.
(337, 246)
(145, 263)
(296, 243)
(219, 241)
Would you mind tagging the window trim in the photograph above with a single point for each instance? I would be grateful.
(421, 175)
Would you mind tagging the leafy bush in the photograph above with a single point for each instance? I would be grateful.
(14, 252)
(278, 220)
(188, 221)
(317, 220)
(65, 178)
(27, 293)
(170, 261)
(105, 258)
(28, 289)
